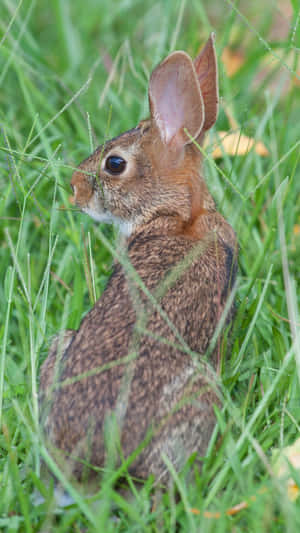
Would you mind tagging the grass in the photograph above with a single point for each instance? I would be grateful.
(56, 100)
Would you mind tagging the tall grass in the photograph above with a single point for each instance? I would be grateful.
(68, 71)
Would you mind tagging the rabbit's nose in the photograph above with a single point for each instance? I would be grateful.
(82, 189)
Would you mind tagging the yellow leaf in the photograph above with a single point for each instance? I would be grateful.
(281, 460)
(293, 490)
(232, 60)
(237, 143)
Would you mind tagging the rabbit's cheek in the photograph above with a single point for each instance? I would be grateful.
(99, 209)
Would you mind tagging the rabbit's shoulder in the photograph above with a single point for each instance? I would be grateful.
(154, 253)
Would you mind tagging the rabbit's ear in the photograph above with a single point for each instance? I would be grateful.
(207, 73)
(175, 100)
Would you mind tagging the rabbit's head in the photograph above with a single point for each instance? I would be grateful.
(154, 169)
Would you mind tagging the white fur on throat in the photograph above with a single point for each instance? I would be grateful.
(125, 226)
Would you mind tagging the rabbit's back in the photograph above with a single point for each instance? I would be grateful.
(126, 358)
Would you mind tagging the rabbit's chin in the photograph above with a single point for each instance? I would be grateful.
(125, 226)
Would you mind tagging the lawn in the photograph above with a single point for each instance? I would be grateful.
(72, 74)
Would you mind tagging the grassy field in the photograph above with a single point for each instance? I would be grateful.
(72, 73)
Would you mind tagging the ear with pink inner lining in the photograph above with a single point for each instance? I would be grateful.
(176, 101)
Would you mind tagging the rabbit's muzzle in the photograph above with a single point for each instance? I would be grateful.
(83, 187)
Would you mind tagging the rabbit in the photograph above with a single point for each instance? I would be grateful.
(135, 374)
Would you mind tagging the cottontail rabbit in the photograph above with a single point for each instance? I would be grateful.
(127, 369)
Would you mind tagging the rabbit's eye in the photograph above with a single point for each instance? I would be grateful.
(115, 164)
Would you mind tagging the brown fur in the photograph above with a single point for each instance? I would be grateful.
(185, 254)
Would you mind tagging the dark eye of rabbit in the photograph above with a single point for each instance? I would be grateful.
(115, 164)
